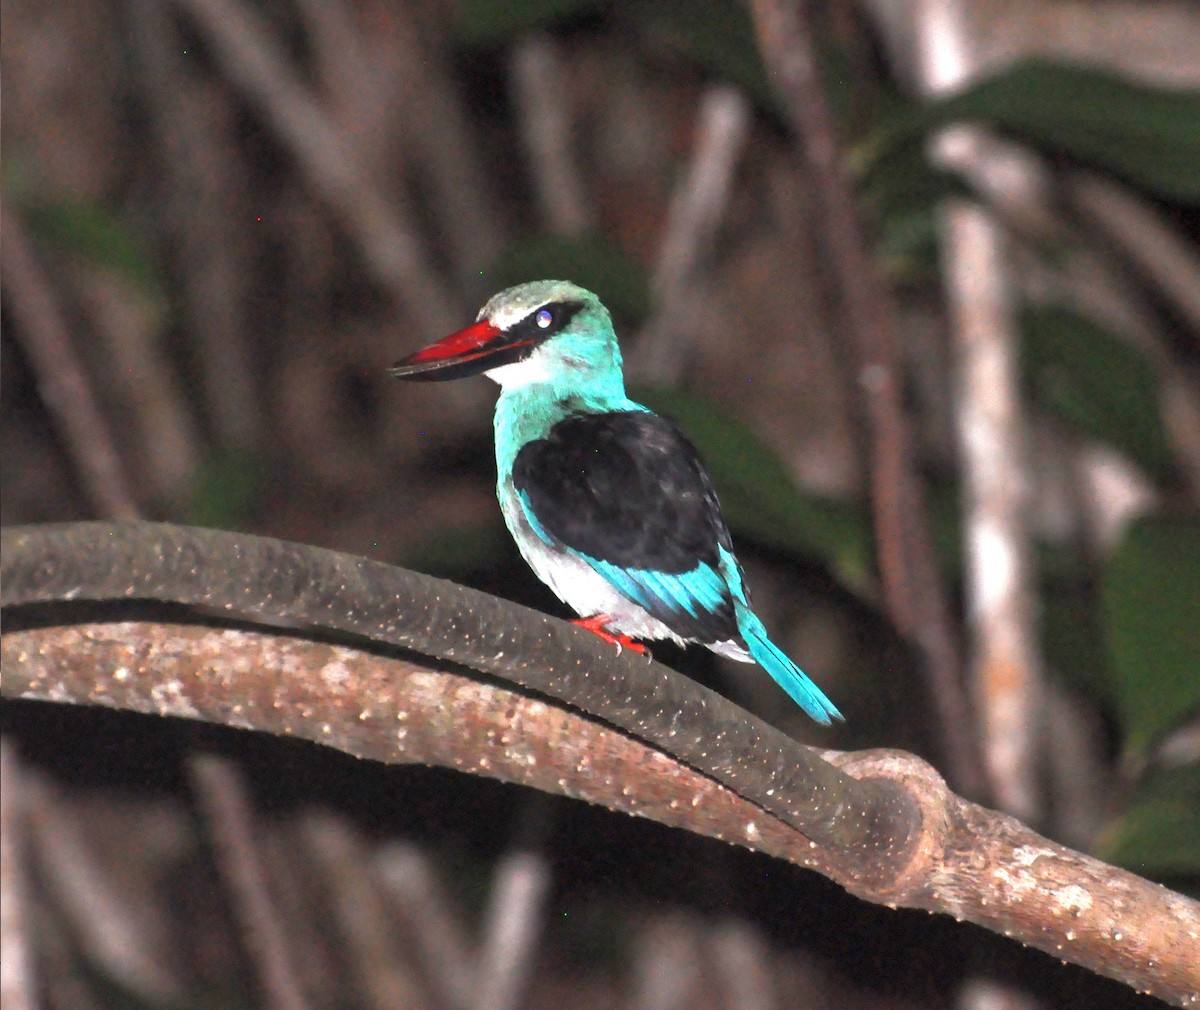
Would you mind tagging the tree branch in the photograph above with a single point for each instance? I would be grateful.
(883, 824)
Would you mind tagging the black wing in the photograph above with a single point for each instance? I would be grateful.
(627, 489)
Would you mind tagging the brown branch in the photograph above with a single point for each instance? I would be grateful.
(912, 587)
(966, 861)
(307, 586)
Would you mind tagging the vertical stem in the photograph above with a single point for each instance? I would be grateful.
(223, 797)
(912, 587)
(1004, 663)
(61, 378)
(545, 121)
(16, 966)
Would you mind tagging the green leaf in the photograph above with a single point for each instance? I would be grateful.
(1149, 136)
(718, 35)
(484, 22)
(590, 261)
(1151, 593)
(904, 203)
(96, 234)
(1096, 382)
(459, 552)
(758, 496)
(228, 488)
(1158, 836)
(1072, 623)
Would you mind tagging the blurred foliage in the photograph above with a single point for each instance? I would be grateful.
(718, 36)
(1128, 636)
(1152, 612)
(1148, 136)
(903, 202)
(1121, 642)
(590, 261)
(1156, 836)
(1085, 375)
(228, 492)
(484, 23)
(95, 234)
(1072, 624)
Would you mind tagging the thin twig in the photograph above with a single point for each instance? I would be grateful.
(912, 585)
(164, 442)
(227, 809)
(193, 121)
(42, 332)
(540, 94)
(393, 95)
(1168, 260)
(362, 916)
(17, 986)
(390, 246)
(694, 216)
(741, 960)
(515, 915)
(1173, 267)
(410, 878)
(352, 71)
(115, 933)
(666, 964)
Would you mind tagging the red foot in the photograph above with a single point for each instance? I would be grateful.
(598, 625)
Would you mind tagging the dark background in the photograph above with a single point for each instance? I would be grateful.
(231, 294)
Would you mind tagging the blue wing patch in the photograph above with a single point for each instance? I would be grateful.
(697, 605)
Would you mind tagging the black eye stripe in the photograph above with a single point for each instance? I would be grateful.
(561, 314)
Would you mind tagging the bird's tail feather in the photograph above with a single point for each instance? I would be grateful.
(786, 674)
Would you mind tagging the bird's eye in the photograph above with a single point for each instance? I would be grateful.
(544, 319)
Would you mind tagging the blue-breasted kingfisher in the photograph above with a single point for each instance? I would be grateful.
(609, 503)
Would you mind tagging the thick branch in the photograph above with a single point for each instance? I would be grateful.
(954, 857)
(272, 579)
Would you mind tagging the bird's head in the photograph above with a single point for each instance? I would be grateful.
(543, 331)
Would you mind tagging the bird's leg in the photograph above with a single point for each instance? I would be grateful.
(597, 624)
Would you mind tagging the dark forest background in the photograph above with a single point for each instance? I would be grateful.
(223, 220)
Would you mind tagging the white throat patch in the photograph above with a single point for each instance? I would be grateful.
(520, 373)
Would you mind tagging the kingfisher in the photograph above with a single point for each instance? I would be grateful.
(608, 503)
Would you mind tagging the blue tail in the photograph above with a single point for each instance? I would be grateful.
(786, 674)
